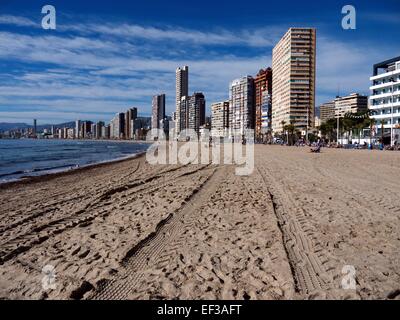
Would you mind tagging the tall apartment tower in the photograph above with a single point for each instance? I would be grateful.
(117, 126)
(158, 110)
(78, 129)
(197, 111)
(86, 127)
(99, 128)
(34, 126)
(182, 89)
(262, 103)
(293, 79)
(219, 118)
(130, 116)
(182, 116)
(241, 104)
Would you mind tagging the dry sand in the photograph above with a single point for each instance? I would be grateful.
(130, 230)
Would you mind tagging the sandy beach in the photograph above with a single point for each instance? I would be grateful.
(131, 230)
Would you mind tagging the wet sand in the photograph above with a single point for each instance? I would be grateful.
(130, 230)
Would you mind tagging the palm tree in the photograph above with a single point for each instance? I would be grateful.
(283, 122)
(330, 126)
(372, 123)
(290, 128)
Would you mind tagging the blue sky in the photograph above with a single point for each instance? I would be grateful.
(106, 56)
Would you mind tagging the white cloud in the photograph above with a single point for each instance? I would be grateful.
(258, 38)
(102, 67)
(18, 21)
(345, 67)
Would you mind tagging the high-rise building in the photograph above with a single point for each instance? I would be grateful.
(158, 110)
(106, 134)
(78, 129)
(352, 103)
(70, 133)
(99, 129)
(197, 111)
(34, 126)
(130, 116)
(219, 118)
(241, 104)
(93, 131)
(183, 116)
(182, 89)
(117, 126)
(327, 111)
(293, 79)
(266, 114)
(86, 127)
(262, 96)
(385, 99)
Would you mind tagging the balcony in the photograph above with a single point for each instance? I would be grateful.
(384, 85)
(383, 75)
(385, 95)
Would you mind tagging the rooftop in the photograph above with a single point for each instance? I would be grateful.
(385, 65)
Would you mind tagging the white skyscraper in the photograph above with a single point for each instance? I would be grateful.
(385, 99)
(241, 104)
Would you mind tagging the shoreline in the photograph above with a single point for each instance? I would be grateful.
(71, 170)
(67, 171)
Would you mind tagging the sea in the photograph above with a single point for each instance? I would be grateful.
(22, 158)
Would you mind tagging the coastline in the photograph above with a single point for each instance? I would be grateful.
(69, 169)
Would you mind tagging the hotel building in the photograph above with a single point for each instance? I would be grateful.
(352, 103)
(182, 89)
(385, 98)
(293, 79)
(241, 104)
(219, 118)
(262, 101)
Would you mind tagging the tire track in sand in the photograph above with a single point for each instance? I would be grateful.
(158, 247)
(82, 215)
(306, 257)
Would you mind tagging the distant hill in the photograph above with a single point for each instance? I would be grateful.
(18, 126)
(12, 126)
(4, 126)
